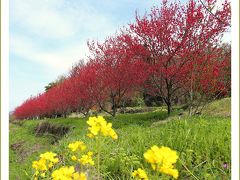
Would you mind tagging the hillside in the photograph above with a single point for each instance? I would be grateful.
(220, 108)
(203, 143)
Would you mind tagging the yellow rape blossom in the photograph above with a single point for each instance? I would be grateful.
(170, 171)
(162, 160)
(36, 173)
(90, 135)
(99, 126)
(67, 173)
(49, 156)
(50, 165)
(140, 174)
(78, 145)
(74, 158)
(40, 165)
(46, 161)
(64, 173)
(43, 175)
(79, 176)
(87, 159)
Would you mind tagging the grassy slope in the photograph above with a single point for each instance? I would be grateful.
(220, 108)
(203, 144)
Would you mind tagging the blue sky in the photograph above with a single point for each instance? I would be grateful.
(48, 36)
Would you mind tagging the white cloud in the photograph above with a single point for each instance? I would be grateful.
(41, 18)
(58, 60)
(58, 19)
(37, 24)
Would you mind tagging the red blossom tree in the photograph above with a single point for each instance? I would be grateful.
(208, 78)
(175, 35)
(119, 71)
(82, 87)
(175, 49)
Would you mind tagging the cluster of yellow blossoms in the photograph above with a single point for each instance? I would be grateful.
(67, 173)
(140, 174)
(162, 160)
(87, 159)
(78, 145)
(46, 161)
(99, 126)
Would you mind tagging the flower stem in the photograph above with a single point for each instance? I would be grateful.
(157, 169)
(98, 169)
(188, 169)
(98, 158)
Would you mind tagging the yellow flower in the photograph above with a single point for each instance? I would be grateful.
(78, 145)
(79, 176)
(150, 155)
(49, 156)
(64, 173)
(40, 165)
(50, 165)
(92, 121)
(98, 125)
(87, 159)
(67, 173)
(169, 171)
(90, 153)
(46, 161)
(94, 130)
(74, 158)
(43, 175)
(36, 173)
(140, 174)
(90, 135)
(113, 134)
(162, 160)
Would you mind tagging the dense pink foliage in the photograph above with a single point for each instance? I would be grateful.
(173, 49)
(182, 42)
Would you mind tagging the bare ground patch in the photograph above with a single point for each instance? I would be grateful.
(22, 151)
(55, 131)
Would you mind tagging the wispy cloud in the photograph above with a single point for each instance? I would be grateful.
(35, 25)
(57, 60)
(41, 18)
(57, 18)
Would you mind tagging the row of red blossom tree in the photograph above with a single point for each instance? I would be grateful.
(172, 51)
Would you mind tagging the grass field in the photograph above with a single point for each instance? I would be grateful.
(203, 143)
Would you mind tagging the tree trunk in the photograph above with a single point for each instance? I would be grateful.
(114, 106)
(169, 108)
(114, 113)
(114, 110)
(191, 104)
(169, 104)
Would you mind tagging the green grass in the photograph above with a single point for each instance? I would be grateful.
(202, 143)
(220, 108)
